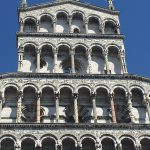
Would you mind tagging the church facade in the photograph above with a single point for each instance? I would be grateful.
(72, 89)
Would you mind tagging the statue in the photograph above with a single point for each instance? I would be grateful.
(110, 4)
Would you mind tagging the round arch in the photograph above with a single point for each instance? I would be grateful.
(138, 87)
(101, 86)
(8, 136)
(94, 16)
(63, 44)
(47, 44)
(30, 85)
(122, 87)
(65, 86)
(29, 17)
(47, 86)
(82, 45)
(3, 89)
(46, 14)
(62, 11)
(69, 136)
(83, 86)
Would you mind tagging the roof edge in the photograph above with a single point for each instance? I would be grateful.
(45, 5)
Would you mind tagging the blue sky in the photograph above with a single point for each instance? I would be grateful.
(135, 25)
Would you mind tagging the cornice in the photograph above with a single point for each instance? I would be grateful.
(74, 76)
(72, 35)
(51, 4)
(75, 126)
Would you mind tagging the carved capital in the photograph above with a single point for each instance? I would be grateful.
(57, 95)
(93, 95)
(38, 94)
(20, 94)
(38, 143)
(75, 95)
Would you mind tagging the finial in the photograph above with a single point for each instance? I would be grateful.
(24, 3)
(110, 4)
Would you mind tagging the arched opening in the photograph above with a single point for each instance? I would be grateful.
(9, 109)
(108, 144)
(48, 104)
(66, 105)
(46, 24)
(7, 144)
(121, 106)
(88, 144)
(84, 105)
(30, 25)
(48, 144)
(145, 144)
(29, 59)
(77, 23)
(110, 27)
(139, 109)
(81, 60)
(47, 59)
(114, 60)
(127, 144)
(102, 106)
(97, 60)
(68, 144)
(93, 25)
(29, 105)
(27, 144)
(62, 23)
(64, 60)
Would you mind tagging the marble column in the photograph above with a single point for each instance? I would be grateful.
(54, 25)
(93, 97)
(89, 61)
(19, 107)
(122, 61)
(72, 53)
(86, 26)
(21, 25)
(20, 59)
(112, 106)
(102, 28)
(130, 108)
(1, 104)
(38, 25)
(147, 101)
(38, 61)
(70, 23)
(118, 29)
(55, 60)
(105, 54)
(76, 115)
(38, 108)
(57, 106)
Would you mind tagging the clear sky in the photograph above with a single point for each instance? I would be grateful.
(135, 25)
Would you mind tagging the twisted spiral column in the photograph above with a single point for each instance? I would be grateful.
(130, 108)
(19, 107)
(38, 108)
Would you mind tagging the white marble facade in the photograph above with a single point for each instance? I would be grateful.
(72, 90)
